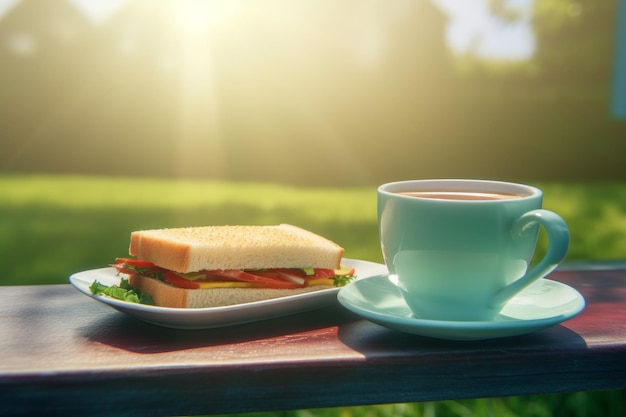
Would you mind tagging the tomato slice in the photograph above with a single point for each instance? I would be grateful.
(137, 263)
(323, 273)
(286, 275)
(263, 280)
(292, 271)
(180, 282)
(286, 278)
(317, 272)
(133, 266)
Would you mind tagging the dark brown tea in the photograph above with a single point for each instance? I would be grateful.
(461, 195)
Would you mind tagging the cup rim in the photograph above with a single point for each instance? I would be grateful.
(526, 191)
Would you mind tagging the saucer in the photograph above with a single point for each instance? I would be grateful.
(543, 304)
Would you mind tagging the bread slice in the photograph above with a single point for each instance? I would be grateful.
(192, 249)
(165, 295)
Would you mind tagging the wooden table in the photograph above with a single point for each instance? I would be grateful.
(63, 352)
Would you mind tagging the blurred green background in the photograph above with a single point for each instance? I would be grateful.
(120, 115)
(54, 225)
(312, 92)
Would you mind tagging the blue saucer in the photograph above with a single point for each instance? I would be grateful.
(543, 304)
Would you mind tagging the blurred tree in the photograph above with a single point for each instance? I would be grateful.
(312, 91)
(576, 41)
(504, 11)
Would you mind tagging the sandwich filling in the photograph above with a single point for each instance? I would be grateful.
(277, 278)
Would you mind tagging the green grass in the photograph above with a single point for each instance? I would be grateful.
(580, 404)
(51, 226)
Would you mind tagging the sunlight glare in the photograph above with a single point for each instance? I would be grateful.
(6, 6)
(198, 118)
(196, 16)
(99, 11)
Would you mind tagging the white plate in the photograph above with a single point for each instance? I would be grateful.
(543, 304)
(202, 318)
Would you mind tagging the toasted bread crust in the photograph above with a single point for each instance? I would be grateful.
(165, 295)
(235, 247)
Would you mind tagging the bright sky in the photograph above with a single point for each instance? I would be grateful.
(470, 25)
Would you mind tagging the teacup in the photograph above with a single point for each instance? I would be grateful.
(458, 250)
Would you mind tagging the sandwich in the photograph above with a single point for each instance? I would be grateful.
(212, 266)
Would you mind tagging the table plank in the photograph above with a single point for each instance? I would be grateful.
(62, 352)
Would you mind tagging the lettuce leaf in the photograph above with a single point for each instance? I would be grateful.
(124, 291)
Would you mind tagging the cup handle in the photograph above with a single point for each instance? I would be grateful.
(558, 243)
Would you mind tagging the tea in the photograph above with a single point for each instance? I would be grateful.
(461, 195)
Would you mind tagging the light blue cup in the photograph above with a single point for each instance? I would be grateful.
(462, 260)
